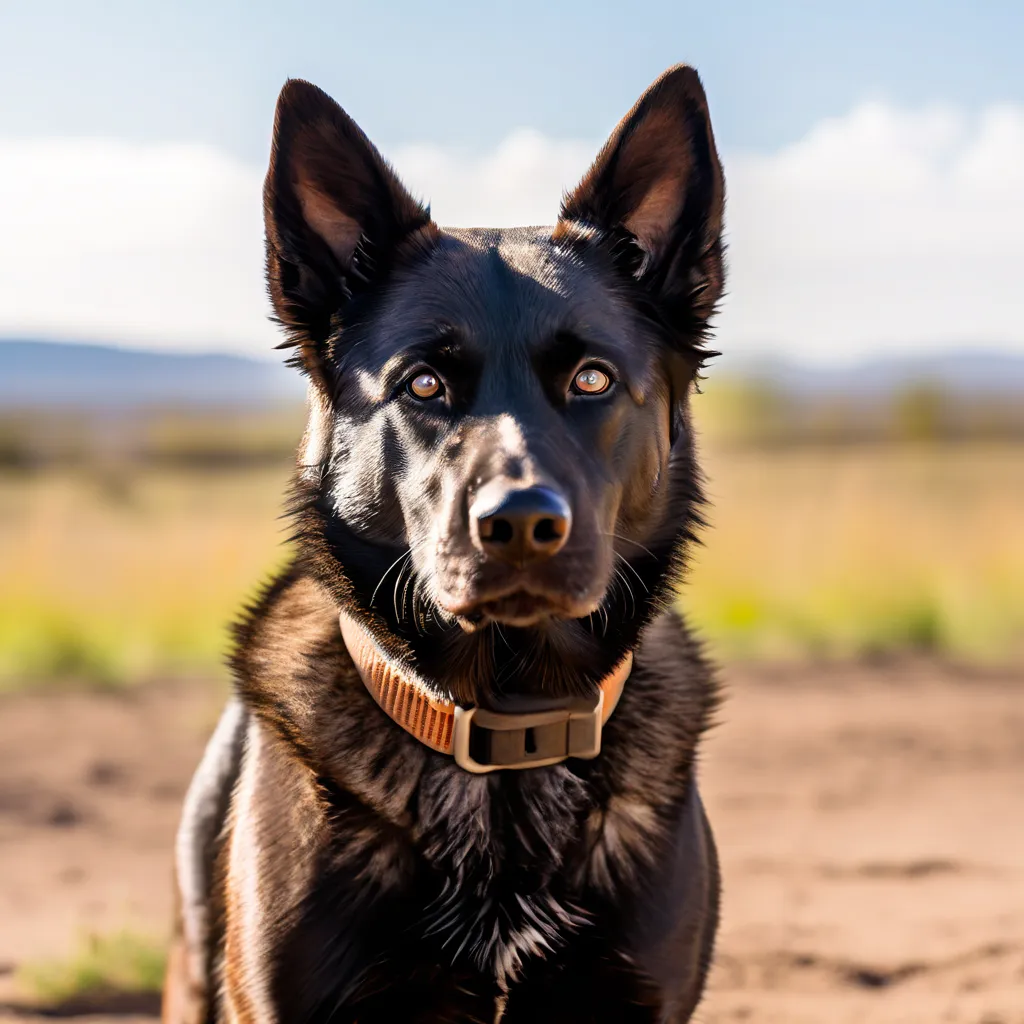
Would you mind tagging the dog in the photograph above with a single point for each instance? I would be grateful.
(457, 778)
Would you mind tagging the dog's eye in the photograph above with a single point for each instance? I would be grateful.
(591, 381)
(425, 386)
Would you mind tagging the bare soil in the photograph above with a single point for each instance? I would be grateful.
(870, 820)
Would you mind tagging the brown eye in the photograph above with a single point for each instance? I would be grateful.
(425, 385)
(591, 381)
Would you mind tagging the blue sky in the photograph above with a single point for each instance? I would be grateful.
(157, 117)
(469, 73)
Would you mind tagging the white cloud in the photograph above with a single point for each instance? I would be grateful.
(884, 229)
(520, 182)
(150, 245)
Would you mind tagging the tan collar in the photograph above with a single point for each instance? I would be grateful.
(481, 740)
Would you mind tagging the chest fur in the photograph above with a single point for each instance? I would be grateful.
(482, 875)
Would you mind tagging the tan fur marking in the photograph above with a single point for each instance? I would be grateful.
(313, 449)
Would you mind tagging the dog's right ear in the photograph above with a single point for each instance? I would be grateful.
(335, 215)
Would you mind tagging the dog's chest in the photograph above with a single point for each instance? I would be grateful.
(501, 862)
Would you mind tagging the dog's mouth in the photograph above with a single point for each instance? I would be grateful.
(475, 596)
(520, 609)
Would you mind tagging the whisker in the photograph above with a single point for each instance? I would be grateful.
(400, 615)
(619, 574)
(410, 584)
(632, 570)
(519, 663)
(504, 639)
(626, 540)
(405, 554)
(417, 605)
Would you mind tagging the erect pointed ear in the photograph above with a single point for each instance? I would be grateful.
(336, 216)
(656, 193)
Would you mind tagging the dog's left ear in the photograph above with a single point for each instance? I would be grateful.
(336, 218)
(656, 194)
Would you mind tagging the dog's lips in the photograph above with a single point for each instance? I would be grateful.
(476, 595)
(519, 608)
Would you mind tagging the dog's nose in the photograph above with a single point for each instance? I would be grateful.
(520, 526)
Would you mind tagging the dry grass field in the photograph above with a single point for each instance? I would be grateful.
(112, 573)
(115, 575)
(864, 549)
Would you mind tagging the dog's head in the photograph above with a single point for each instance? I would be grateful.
(498, 477)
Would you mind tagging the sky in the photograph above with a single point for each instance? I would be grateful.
(874, 153)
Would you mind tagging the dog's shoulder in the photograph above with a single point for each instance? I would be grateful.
(643, 782)
(290, 627)
(295, 675)
(668, 703)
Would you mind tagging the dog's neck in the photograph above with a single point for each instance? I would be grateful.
(526, 733)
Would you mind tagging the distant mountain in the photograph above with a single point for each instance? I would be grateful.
(50, 373)
(963, 372)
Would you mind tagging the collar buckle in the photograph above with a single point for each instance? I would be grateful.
(486, 741)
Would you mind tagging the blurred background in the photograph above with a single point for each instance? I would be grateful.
(862, 578)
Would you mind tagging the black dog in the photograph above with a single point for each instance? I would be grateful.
(425, 810)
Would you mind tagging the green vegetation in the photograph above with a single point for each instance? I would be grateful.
(864, 550)
(103, 966)
(116, 568)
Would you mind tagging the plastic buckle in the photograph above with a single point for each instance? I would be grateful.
(529, 740)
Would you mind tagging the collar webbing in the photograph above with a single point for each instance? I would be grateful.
(481, 740)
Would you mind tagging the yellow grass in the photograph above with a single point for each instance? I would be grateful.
(855, 550)
(108, 576)
(110, 579)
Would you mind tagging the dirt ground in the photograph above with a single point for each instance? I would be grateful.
(870, 821)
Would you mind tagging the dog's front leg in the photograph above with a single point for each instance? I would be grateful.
(281, 960)
(318, 911)
(188, 983)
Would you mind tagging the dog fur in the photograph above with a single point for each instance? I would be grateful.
(332, 868)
